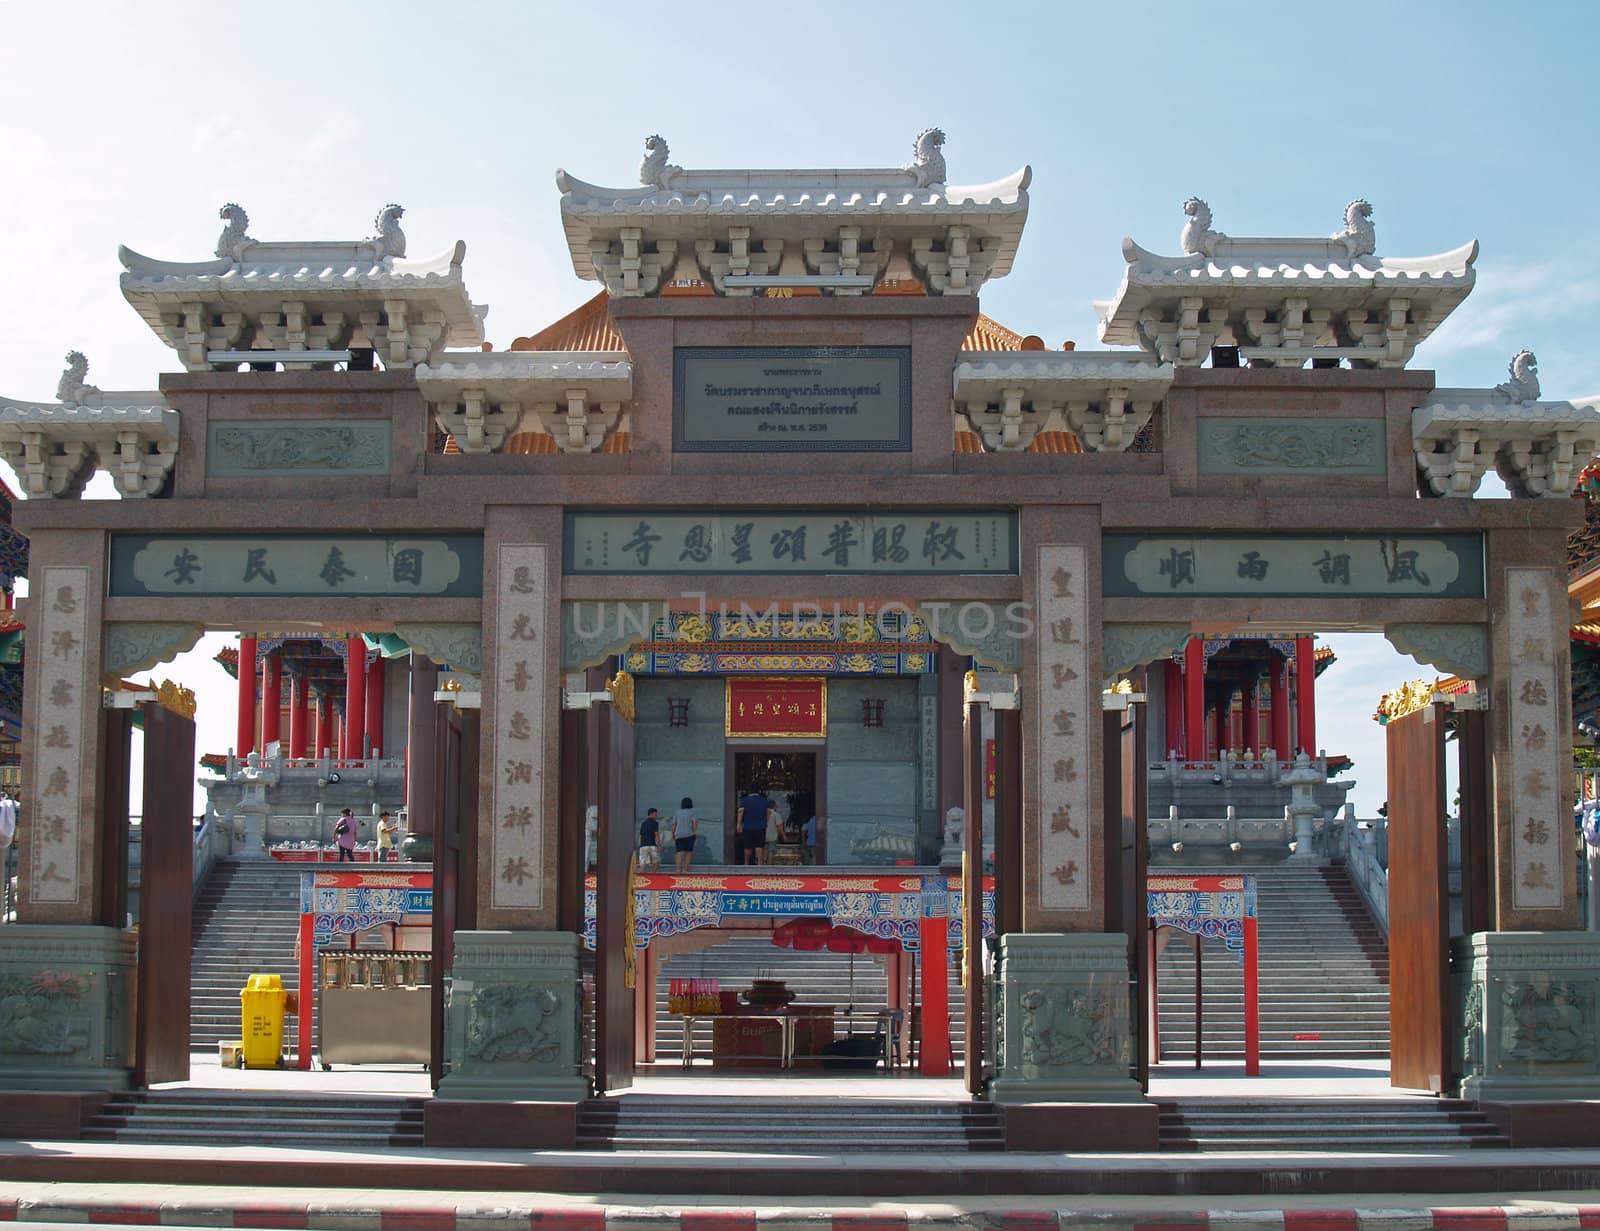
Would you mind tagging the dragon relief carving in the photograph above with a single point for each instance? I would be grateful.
(654, 170)
(1358, 236)
(1524, 383)
(1062, 1027)
(308, 448)
(1198, 239)
(928, 165)
(511, 1022)
(236, 234)
(72, 387)
(390, 239)
(1297, 446)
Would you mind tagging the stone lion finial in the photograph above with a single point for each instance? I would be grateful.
(390, 239)
(236, 233)
(1198, 239)
(654, 170)
(928, 166)
(1524, 383)
(1358, 237)
(72, 387)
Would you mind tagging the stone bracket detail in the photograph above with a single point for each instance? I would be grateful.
(133, 647)
(984, 631)
(1537, 447)
(1460, 649)
(458, 645)
(1125, 646)
(592, 632)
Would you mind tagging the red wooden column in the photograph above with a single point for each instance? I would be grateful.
(271, 700)
(375, 706)
(1252, 1001)
(298, 688)
(324, 732)
(1305, 695)
(1223, 717)
(1194, 699)
(935, 1055)
(352, 746)
(1252, 714)
(1280, 709)
(246, 742)
(1174, 709)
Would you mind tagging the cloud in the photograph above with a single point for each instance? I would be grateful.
(221, 130)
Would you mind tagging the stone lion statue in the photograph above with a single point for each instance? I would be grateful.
(654, 170)
(928, 165)
(954, 824)
(390, 239)
(1358, 236)
(236, 234)
(1524, 383)
(72, 387)
(1198, 238)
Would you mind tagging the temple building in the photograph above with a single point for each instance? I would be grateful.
(780, 509)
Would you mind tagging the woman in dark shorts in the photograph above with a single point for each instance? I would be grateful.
(684, 826)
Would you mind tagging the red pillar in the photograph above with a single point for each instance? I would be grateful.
(1224, 720)
(297, 715)
(324, 733)
(375, 706)
(308, 987)
(1305, 695)
(246, 742)
(271, 700)
(1280, 708)
(1252, 1001)
(1194, 699)
(935, 1057)
(351, 747)
(1174, 706)
(1252, 714)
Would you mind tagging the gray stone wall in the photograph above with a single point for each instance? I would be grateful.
(671, 762)
(873, 806)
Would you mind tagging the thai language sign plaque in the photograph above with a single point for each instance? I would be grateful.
(776, 399)
(296, 566)
(765, 708)
(800, 542)
(1294, 566)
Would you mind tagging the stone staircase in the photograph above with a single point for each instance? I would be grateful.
(818, 978)
(787, 1126)
(246, 921)
(1324, 976)
(1386, 1126)
(226, 1117)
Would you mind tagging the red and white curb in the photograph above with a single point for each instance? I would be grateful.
(1526, 1216)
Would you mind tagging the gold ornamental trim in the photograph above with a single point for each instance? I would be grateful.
(174, 697)
(630, 929)
(1410, 697)
(621, 689)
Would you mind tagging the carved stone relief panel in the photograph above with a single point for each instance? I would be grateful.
(138, 647)
(1542, 819)
(59, 798)
(1062, 682)
(1347, 447)
(297, 447)
(522, 654)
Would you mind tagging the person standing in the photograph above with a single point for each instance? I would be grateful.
(386, 832)
(650, 842)
(811, 839)
(752, 821)
(344, 833)
(685, 824)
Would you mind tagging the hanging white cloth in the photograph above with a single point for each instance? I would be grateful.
(8, 820)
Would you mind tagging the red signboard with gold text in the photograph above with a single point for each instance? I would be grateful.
(767, 706)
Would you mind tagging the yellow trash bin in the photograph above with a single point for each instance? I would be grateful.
(262, 1004)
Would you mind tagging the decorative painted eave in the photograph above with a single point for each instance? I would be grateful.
(55, 447)
(480, 399)
(1538, 447)
(857, 224)
(318, 296)
(1102, 397)
(1284, 301)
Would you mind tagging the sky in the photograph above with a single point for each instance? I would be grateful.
(133, 123)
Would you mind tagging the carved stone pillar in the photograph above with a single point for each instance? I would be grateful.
(1061, 1019)
(1528, 1009)
(512, 1018)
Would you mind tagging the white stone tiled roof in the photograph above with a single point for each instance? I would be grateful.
(1062, 375)
(527, 376)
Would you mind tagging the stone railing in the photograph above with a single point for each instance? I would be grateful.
(1215, 832)
(205, 851)
(278, 770)
(1362, 846)
(1228, 769)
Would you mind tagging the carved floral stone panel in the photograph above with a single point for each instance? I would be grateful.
(1252, 446)
(1541, 822)
(523, 654)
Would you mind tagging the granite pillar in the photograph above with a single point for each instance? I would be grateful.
(271, 700)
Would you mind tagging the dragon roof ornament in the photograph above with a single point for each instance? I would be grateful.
(709, 224)
(320, 295)
(1283, 300)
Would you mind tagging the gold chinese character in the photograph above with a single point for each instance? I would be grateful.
(1067, 873)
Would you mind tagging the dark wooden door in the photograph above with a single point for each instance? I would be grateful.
(1125, 846)
(455, 854)
(614, 1022)
(166, 894)
(1419, 1021)
(972, 899)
